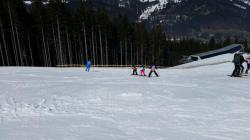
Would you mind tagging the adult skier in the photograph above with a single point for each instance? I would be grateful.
(242, 60)
(236, 61)
(153, 70)
(88, 65)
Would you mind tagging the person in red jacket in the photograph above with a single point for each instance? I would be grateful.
(134, 68)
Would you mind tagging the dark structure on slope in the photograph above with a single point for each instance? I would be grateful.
(228, 49)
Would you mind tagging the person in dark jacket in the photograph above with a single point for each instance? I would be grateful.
(134, 68)
(153, 70)
(248, 65)
(236, 61)
(242, 60)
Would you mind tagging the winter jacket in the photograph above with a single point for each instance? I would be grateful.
(153, 68)
(237, 59)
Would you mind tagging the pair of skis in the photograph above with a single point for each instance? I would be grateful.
(238, 75)
(139, 75)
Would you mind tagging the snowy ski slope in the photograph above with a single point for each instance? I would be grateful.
(200, 103)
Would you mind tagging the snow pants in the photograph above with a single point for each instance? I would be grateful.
(87, 69)
(248, 67)
(143, 73)
(236, 71)
(134, 72)
(149, 75)
(241, 69)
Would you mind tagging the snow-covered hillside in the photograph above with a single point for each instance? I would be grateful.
(245, 1)
(200, 103)
(29, 2)
(242, 4)
(160, 5)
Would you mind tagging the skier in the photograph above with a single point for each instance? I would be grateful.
(236, 61)
(242, 60)
(88, 65)
(153, 69)
(248, 65)
(143, 71)
(134, 70)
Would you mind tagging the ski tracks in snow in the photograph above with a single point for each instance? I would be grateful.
(52, 104)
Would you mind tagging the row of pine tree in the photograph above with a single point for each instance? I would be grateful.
(52, 34)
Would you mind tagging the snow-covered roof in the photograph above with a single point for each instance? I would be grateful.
(228, 49)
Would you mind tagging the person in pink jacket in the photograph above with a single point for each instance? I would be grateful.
(143, 71)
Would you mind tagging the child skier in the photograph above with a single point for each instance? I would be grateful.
(88, 65)
(242, 60)
(143, 71)
(153, 70)
(134, 70)
(248, 65)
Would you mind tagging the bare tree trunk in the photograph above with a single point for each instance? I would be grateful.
(44, 49)
(142, 54)
(106, 48)
(19, 47)
(13, 35)
(93, 47)
(1, 52)
(26, 63)
(69, 48)
(38, 43)
(96, 49)
(78, 49)
(126, 52)
(55, 44)
(81, 50)
(31, 55)
(4, 43)
(116, 58)
(121, 54)
(59, 40)
(131, 53)
(137, 55)
(153, 54)
(85, 43)
(48, 53)
(75, 48)
(100, 39)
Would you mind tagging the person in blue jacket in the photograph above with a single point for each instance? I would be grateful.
(88, 65)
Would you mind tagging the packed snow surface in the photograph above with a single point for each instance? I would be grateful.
(200, 103)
